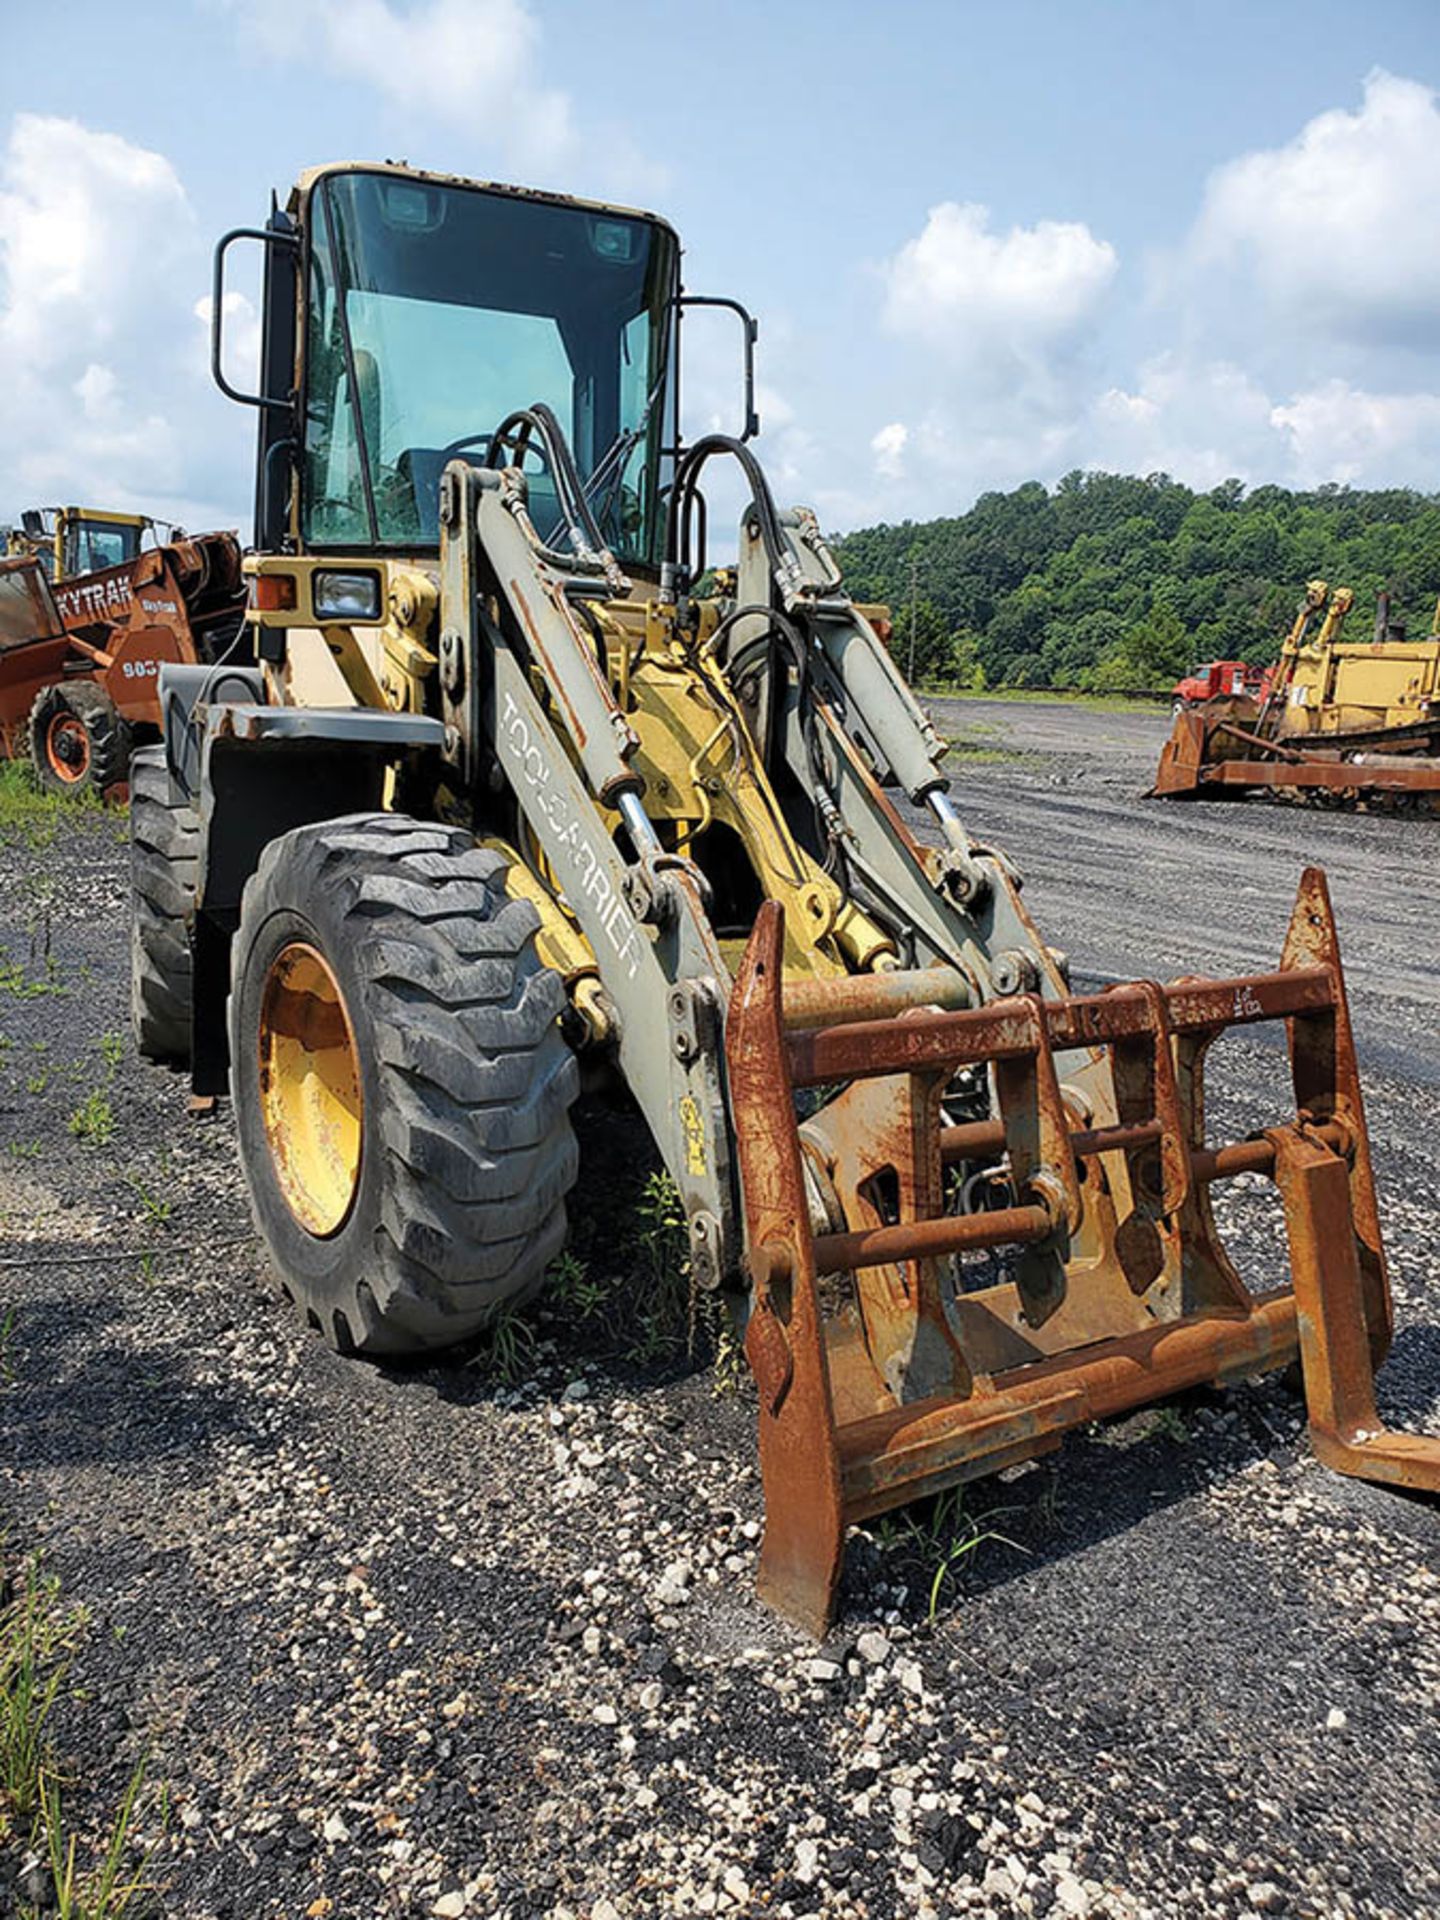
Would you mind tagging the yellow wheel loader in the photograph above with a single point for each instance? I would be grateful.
(73, 540)
(523, 782)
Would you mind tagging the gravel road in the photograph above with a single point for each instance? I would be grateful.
(1173, 887)
(423, 1642)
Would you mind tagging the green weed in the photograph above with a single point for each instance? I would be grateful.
(94, 1119)
(108, 1890)
(1147, 1423)
(975, 1533)
(1170, 1422)
(509, 1350)
(573, 1291)
(1025, 696)
(943, 1535)
(36, 1643)
(30, 816)
(16, 978)
(152, 1207)
(664, 1308)
(729, 1363)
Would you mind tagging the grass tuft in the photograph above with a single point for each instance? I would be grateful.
(943, 1535)
(38, 1637)
(29, 815)
(36, 1642)
(509, 1347)
(17, 979)
(94, 1119)
(109, 1889)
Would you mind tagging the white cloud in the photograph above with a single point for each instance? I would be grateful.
(73, 205)
(475, 66)
(1335, 231)
(102, 396)
(1000, 325)
(888, 447)
(1295, 335)
(240, 337)
(980, 298)
(1206, 421)
(471, 62)
(1201, 421)
(1338, 432)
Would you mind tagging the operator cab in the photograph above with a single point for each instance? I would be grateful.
(73, 540)
(432, 310)
(93, 544)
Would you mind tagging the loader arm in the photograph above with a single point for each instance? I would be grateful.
(570, 725)
(508, 631)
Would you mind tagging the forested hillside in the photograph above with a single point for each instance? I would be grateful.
(1112, 582)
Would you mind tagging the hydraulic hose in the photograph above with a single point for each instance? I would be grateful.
(684, 494)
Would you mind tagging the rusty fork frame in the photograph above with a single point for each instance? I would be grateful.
(1121, 1292)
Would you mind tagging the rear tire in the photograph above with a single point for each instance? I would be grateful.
(399, 1081)
(164, 872)
(77, 739)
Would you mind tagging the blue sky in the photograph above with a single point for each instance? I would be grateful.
(986, 243)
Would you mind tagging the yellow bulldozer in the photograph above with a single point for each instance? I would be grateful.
(527, 780)
(1337, 723)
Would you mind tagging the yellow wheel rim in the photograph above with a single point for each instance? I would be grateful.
(310, 1089)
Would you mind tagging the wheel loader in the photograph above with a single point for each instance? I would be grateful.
(81, 652)
(528, 781)
(71, 540)
(1338, 724)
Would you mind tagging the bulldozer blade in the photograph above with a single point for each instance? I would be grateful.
(1182, 759)
(887, 1369)
(1209, 754)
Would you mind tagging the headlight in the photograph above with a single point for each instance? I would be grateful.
(343, 597)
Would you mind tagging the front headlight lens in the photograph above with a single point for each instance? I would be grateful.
(345, 596)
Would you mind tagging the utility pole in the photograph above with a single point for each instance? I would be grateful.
(914, 575)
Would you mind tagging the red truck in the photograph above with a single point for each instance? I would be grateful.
(1220, 680)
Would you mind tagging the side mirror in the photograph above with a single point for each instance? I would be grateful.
(268, 237)
(752, 334)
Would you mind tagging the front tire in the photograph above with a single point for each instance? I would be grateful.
(164, 872)
(402, 1090)
(77, 739)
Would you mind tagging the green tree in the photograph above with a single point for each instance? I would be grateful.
(1153, 654)
(1086, 583)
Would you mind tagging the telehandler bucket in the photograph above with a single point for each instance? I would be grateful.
(884, 1374)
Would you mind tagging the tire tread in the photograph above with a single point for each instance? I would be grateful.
(475, 1080)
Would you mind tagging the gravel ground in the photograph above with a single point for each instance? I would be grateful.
(422, 1642)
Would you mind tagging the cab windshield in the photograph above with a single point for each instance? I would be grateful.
(91, 545)
(435, 311)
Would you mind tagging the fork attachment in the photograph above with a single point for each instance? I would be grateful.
(888, 1369)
